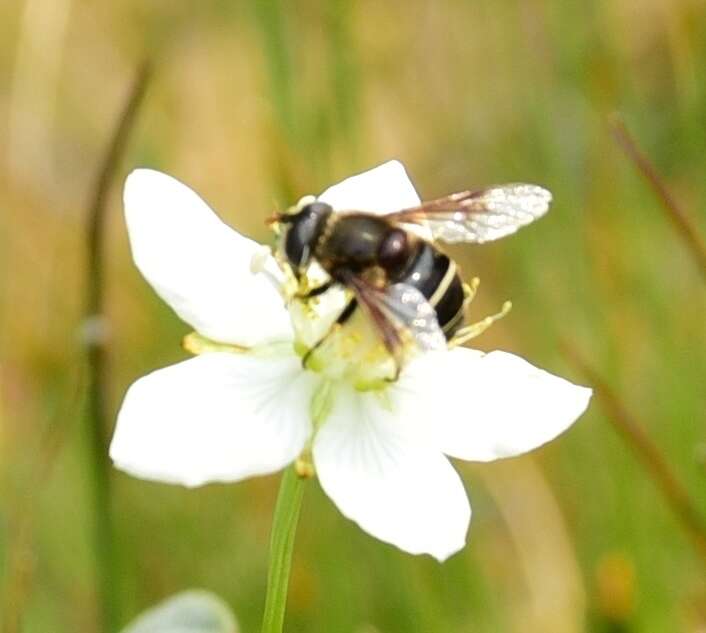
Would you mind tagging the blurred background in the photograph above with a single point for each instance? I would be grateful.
(256, 103)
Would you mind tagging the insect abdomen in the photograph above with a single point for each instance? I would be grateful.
(436, 277)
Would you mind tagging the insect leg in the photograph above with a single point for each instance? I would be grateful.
(315, 292)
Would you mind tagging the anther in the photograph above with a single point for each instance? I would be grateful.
(475, 329)
(304, 466)
(469, 291)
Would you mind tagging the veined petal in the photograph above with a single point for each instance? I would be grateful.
(391, 484)
(383, 189)
(494, 405)
(199, 265)
(215, 417)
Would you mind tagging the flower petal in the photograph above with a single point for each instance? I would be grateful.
(383, 189)
(494, 405)
(215, 417)
(199, 265)
(382, 477)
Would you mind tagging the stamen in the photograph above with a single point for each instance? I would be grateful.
(465, 334)
(196, 344)
(304, 465)
(469, 290)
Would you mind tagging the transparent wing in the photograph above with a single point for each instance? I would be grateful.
(407, 306)
(479, 216)
(400, 312)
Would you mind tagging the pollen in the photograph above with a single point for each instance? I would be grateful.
(350, 351)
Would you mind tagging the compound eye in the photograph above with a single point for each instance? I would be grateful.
(304, 229)
(393, 249)
(314, 209)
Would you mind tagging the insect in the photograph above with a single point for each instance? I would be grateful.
(409, 288)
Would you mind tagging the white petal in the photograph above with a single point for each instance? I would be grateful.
(494, 405)
(382, 477)
(199, 265)
(383, 189)
(215, 417)
(313, 319)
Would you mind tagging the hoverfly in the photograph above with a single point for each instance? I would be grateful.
(407, 286)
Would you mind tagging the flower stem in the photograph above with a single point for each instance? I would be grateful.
(284, 526)
(683, 222)
(95, 350)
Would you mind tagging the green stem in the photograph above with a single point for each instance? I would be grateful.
(284, 526)
(97, 388)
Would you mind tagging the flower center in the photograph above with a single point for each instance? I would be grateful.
(333, 335)
(350, 351)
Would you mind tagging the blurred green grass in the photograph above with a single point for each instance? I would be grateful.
(256, 103)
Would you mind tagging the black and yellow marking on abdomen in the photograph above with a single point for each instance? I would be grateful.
(436, 277)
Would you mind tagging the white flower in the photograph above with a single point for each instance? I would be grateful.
(249, 408)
